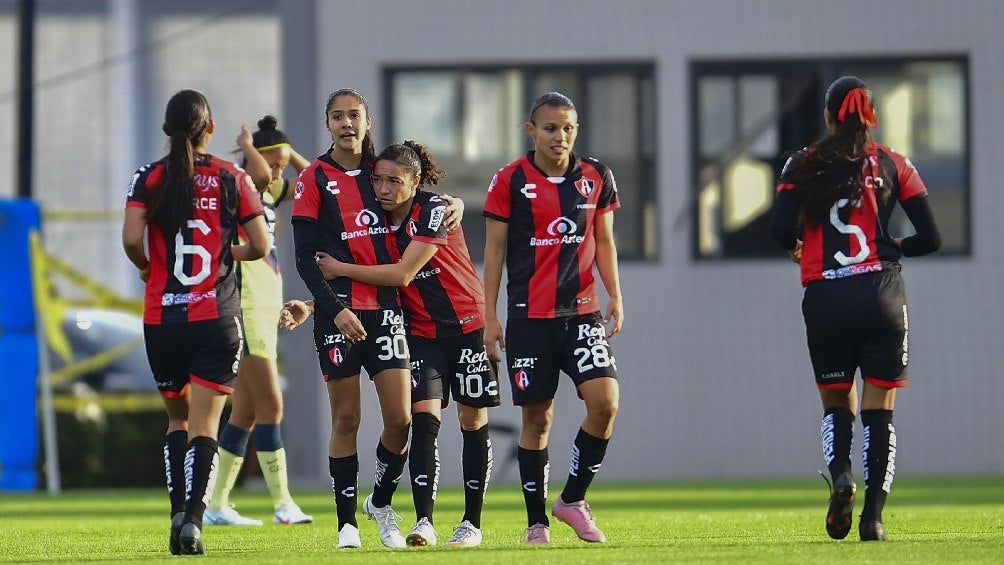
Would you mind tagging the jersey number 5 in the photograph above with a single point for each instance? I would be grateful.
(848, 229)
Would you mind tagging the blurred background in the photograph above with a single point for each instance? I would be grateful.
(694, 106)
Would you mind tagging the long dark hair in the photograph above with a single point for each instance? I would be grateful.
(416, 159)
(832, 167)
(186, 121)
(369, 150)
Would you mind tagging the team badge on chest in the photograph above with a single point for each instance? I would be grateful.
(585, 187)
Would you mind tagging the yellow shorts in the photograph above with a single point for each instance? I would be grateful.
(261, 303)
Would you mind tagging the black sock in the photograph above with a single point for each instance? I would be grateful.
(837, 433)
(587, 456)
(389, 468)
(344, 472)
(423, 463)
(200, 475)
(175, 446)
(533, 471)
(878, 452)
(477, 464)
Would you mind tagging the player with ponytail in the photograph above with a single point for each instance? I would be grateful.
(831, 213)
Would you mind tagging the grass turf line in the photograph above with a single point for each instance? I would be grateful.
(930, 520)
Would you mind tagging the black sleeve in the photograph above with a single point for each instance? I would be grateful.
(927, 239)
(784, 224)
(305, 240)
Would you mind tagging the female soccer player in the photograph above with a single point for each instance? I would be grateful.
(832, 210)
(357, 325)
(257, 399)
(186, 208)
(444, 307)
(549, 220)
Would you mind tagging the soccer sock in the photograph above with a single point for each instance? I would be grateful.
(200, 474)
(389, 468)
(477, 465)
(175, 445)
(232, 448)
(272, 460)
(587, 456)
(533, 471)
(423, 463)
(837, 433)
(878, 452)
(344, 473)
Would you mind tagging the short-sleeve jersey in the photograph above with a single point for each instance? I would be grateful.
(856, 238)
(446, 297)
(261, 280)
(550, 250)
(351, 225)
(192, 274)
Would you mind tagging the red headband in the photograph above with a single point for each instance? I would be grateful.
(856, 102)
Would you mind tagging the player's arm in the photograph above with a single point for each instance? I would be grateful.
(606, 264)
(415, 256)
(254, 162)
(258, 244)
(133, 236)
(495, 243)
(928, 238)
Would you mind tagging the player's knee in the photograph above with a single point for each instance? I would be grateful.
(345, 423)
(604, 411)
(538, 423)
(472, 420)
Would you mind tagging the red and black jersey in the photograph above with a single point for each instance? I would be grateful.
(446, 297)
(550, 248)
(192, 272)
(856, 238)
(351, 227)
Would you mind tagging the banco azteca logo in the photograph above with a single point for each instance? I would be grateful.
(367, 218)
(561, 226)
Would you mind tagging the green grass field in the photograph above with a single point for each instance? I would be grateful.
(930, 520)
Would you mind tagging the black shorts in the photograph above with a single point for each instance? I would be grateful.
(858, 322)
(473, 377)
(385, 346)
(536, 349)
(207, 353)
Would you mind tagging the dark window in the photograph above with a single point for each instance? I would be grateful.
(472, 119)
(749, 114)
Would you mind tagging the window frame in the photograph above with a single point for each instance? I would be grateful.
(644, 225)
(827, 70)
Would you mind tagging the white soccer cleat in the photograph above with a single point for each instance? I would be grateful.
(466, 535)
(291, 514)
(422, 534)
(227, 516)
(386, 521)
(348, 536)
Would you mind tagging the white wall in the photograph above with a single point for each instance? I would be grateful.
(715, 378)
